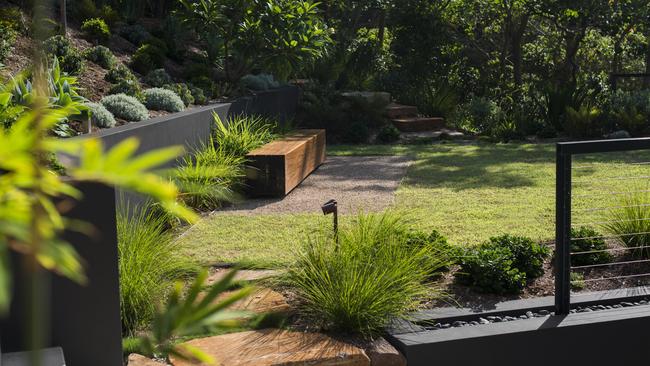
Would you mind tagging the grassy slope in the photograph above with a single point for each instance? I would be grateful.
(468, 192)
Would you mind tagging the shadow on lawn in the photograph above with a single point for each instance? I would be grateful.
(481, 166)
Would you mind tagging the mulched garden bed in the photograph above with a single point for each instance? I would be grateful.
(468, 297)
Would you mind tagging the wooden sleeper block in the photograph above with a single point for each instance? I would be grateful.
(278, 167)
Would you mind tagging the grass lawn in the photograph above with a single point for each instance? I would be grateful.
(469, 192)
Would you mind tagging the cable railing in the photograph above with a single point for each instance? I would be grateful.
(586, 198)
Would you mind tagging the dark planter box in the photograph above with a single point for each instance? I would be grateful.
(83, 320)
(605, 337)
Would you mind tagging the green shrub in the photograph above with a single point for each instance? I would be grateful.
(125, 107)
(356, 133)
(388, 134)
(436, 241)
(102, 56)
(96, 30)
(241, 134)
(577, 281)
(69, 57)
(109, 14)
(583, 122)
(479, 115)
(119, 73)
(630, 120)
(100, 116)
(259, 82)
(157, 78)
(12, 18)
(198, 95)
(592, 242)
(149, 262)
(135, 34)
(503, 264)
(83, 9)
(365, 280)
(629, 222)
(183, 91)
(207, 178)
(129, 87)
(146, 58)
(162, 99)
(7, 41)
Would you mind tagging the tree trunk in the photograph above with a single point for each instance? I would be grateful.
(646, 79)
(517, 53)
(63, 17)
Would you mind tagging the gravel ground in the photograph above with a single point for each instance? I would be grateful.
(365, 183)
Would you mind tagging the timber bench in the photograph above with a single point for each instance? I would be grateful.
(278, 167)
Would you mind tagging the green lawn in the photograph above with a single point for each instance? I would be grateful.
(467, 192)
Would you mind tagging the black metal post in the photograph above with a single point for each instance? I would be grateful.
(563, 232)
(331, 207)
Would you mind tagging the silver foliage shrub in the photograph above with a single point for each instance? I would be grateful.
(125, 107)
(100, 116)
(162, 99)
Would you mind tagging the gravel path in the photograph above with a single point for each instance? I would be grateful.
(365, 183)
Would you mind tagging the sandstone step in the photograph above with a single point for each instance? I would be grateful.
(278, 348)
(395, 110)
(244, 275)
(262, 300)
(139, 360)
(419, 124)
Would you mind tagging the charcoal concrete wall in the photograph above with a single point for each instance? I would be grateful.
(82, 319)
(599, 338)
(278, 103)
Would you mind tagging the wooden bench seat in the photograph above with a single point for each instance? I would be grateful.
(278, 167)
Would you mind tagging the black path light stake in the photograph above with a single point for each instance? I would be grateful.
(331, 207)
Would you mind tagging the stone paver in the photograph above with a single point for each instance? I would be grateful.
(273, 347)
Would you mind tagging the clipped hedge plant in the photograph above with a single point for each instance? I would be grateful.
(96, 30)
(125, 107)
(162, 99)
(100, 116)
(118, 73)
(102, 56)
(502, 265)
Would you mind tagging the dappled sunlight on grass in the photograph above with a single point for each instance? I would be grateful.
(469, 192)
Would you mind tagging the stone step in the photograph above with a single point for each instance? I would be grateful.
(419, 124)
(395, 111)
(274, 347)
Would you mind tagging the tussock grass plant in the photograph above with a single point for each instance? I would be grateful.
(370, 277)
(207, 178)
(148, 263)
(241, 134)
(630, 221)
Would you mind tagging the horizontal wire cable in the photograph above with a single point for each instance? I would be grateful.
(609, 208)
(591, 166)
(609, 179)
(608, 222)
(608, 193)
(611, 264)
(611, 250)
(610, 237)
(616, 277)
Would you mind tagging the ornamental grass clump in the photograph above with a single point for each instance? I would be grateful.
(149, 263)
(241, 134)
(207, 178)
(125, 107)
(630, 222)
(162, 99)
(370, 277)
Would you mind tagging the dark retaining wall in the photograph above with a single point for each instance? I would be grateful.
(280, 103)
(599, 338)
(83, 320)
